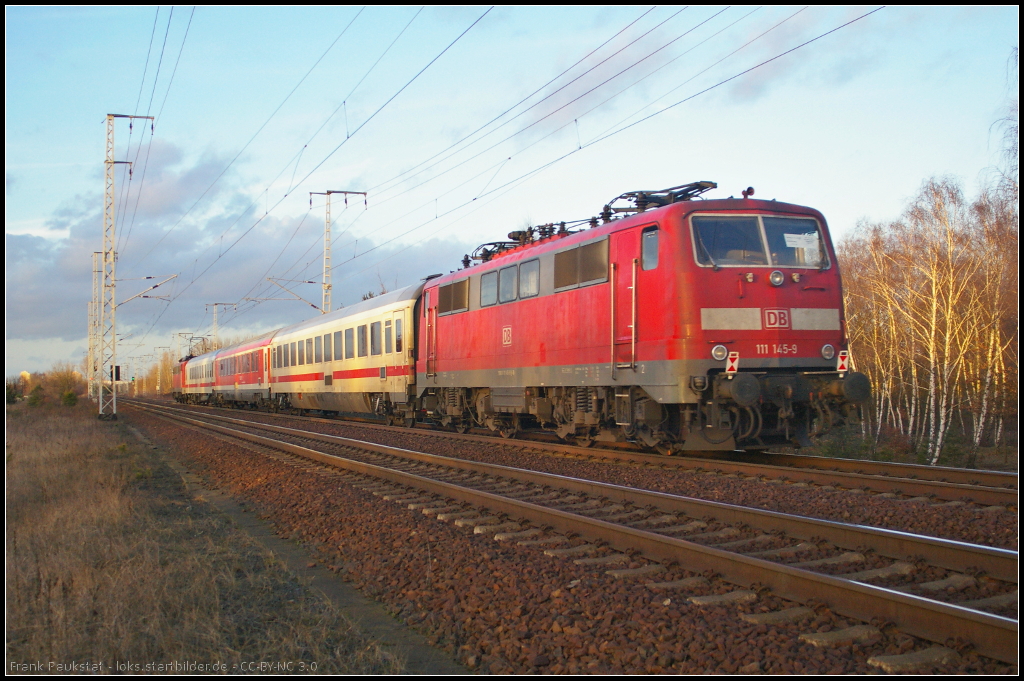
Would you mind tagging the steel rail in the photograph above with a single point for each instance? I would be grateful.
(991, 635)
(946, 553)
(854, 474)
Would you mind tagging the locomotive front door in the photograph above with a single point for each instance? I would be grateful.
(625, 263)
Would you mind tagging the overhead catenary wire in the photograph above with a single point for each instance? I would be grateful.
(254, 135)
(539, 169)
(517, 104)
(156, 79)
(299, 154)
(563, 106)
(195, 276)
(600, 139)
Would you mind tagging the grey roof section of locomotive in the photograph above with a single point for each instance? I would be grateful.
(407, 294)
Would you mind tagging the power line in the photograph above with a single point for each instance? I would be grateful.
(520, 102)
(573, 101)
(149, 107)
(145, 165)
(593, 142)
(374, 114)
(254, 135)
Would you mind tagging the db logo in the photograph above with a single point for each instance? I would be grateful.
(506, 335)
(776, 318)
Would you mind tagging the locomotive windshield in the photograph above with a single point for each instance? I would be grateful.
(734, 240)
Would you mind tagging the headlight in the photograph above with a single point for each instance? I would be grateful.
(827, 351)
(776, 278)
(719, 352)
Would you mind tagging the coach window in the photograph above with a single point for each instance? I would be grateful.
(338, 349)
(350, 343)
(508, 280)
(318, 350)
(327, 347)
(529, 279)
(488, 289)
(309, 351)
(302, 352)
(649, 248)
(375, 338)
(361, 334)
(387, 336)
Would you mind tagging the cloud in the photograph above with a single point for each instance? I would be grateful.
(221, 253)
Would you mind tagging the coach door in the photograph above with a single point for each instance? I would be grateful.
(625, 264)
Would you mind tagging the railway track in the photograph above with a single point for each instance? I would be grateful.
(634, 533)
(926, 483)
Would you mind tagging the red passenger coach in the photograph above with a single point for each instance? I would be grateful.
(684, 324)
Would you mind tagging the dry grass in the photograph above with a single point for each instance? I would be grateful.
(108, 562)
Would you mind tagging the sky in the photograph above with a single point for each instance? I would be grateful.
(460, 124)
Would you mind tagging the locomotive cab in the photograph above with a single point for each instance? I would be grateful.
(772, 333)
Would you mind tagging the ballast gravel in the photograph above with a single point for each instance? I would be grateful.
(965, 523)
(500, 608)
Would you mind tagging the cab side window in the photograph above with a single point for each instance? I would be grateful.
(649, 248)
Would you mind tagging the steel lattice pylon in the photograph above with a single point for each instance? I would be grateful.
(107, 327)
(326, 305)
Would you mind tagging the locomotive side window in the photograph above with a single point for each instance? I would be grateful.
(508, 280)
(337, 345)
(350, 343)
(460, 296)
(728, 241)
(587, 264)
(649, 248)
(594, 262)
(398, 335)
(375, 338)
(444, 299)
(529, 279)
(488, 289)
(794, 242)
(318, 350)
(567, 271)
(453, 297)
(361, 334)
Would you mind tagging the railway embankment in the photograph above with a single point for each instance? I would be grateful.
(114, 566)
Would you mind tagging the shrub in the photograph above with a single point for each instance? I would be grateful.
(35, 398)
(69, 398)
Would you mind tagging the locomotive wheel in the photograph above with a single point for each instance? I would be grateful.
(410, 423)
(664, 448)
(509, 430)
(586, 440)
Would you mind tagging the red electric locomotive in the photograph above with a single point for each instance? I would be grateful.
(684, 324)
